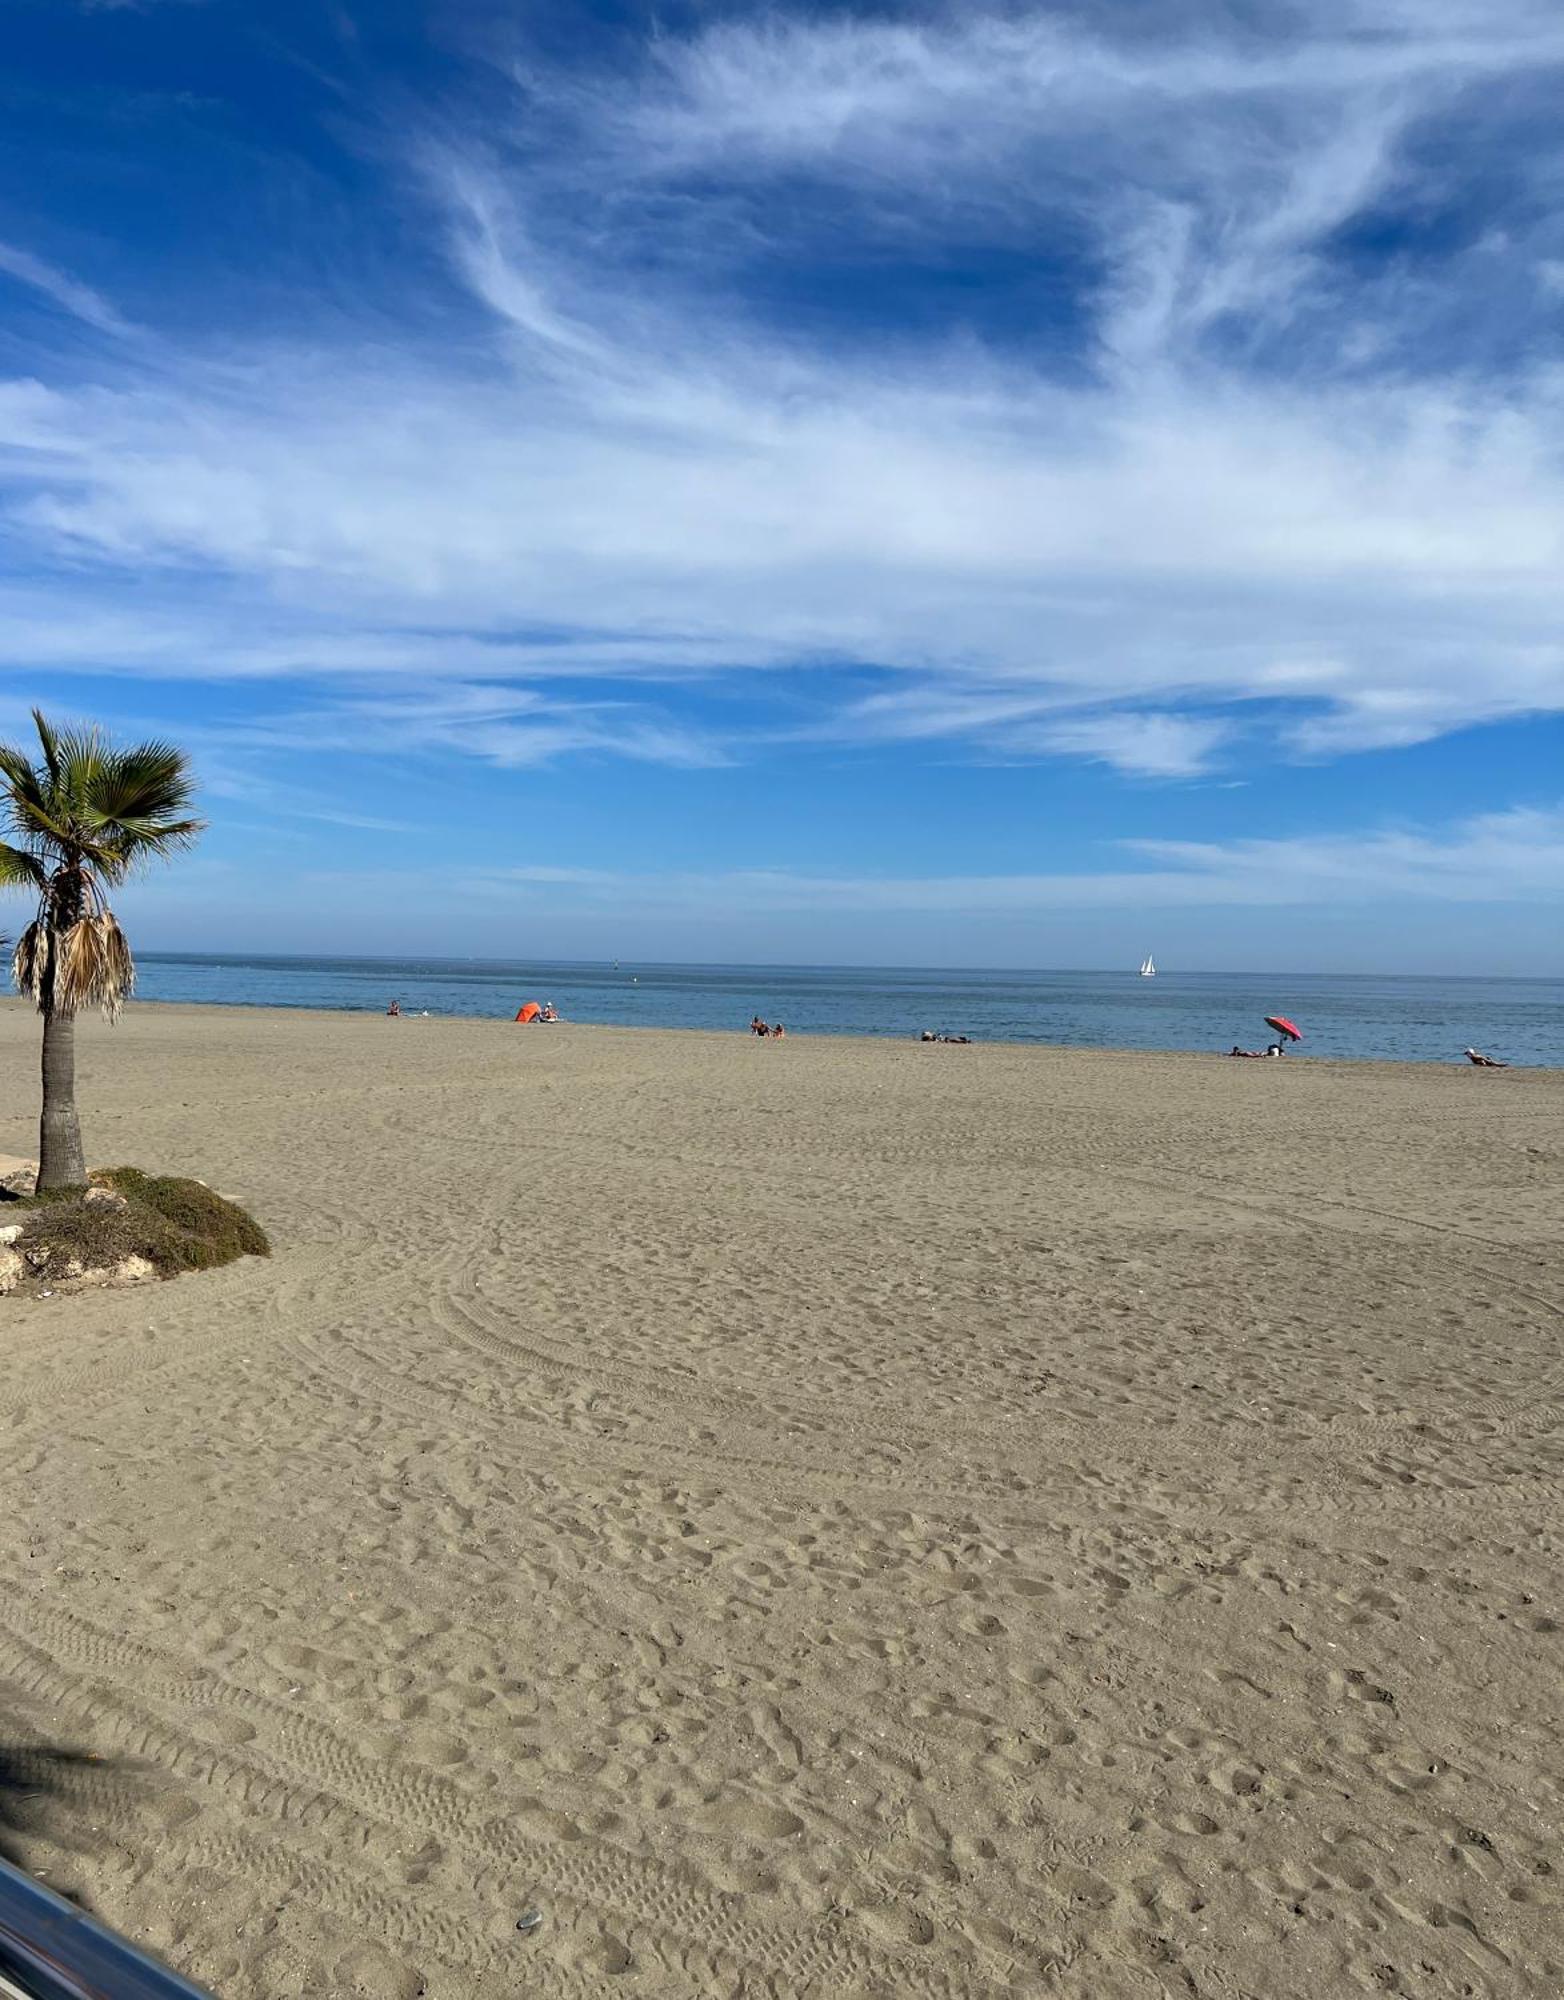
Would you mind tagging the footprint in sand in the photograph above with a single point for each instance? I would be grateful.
(733, 1814)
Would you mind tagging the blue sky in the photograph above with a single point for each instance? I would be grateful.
(937, 484)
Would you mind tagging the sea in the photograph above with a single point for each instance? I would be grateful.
(1353, 1017)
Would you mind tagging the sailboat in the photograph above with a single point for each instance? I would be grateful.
(1148, 970)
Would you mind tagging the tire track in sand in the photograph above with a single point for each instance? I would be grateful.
(344, 1782)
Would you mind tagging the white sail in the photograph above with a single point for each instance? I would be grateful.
(1148, 970)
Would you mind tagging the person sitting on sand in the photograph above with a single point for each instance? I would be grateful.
(548, 1013)
(758, 1026)
(394, 1011)
(778, 1031)
(1485, 1062)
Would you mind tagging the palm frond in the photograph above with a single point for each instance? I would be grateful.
(21, 870)
(150, 780)
(31, 961)
(48, 737)
(133, 843)
(82, 756)
(93, 966)
(32, 805)
(175, 832)
(138, 806)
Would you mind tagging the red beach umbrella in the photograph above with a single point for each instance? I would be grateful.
(1283, 1026)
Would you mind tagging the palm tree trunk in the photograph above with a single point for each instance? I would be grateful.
(61, 1163)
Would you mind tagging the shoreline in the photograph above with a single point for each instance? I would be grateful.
(221, 1008)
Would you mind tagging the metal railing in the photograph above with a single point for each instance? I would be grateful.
(50, 1950)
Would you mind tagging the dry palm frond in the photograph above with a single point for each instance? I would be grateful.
(31, 961)
(86, 964)
(93, 966)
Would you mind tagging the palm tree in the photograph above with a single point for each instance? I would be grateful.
(80, 822)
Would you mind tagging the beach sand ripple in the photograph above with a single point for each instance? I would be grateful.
(832, 1519)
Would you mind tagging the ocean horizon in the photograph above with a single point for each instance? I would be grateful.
(1353, 1016)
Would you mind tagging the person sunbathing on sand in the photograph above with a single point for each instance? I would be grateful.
(1484, 1062)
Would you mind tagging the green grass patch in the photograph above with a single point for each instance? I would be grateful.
(176, 1225)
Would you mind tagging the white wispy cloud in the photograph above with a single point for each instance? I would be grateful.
(1516, 856)
(1280, 901)
(1151, 745)
(962, 86)
(69, 293)
(131, 6)
(1246, 490)
(1004, 720)
(508, 727)
(1493, 857)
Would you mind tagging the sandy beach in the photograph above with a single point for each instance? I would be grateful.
(829, 1518)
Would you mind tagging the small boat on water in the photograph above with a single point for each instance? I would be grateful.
(1148, 970)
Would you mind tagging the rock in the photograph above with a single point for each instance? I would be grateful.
(72, 1274)
(10, 1232)
(48, 1262)
(104, 1197)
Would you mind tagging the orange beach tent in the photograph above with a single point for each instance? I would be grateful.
(530, 1012)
